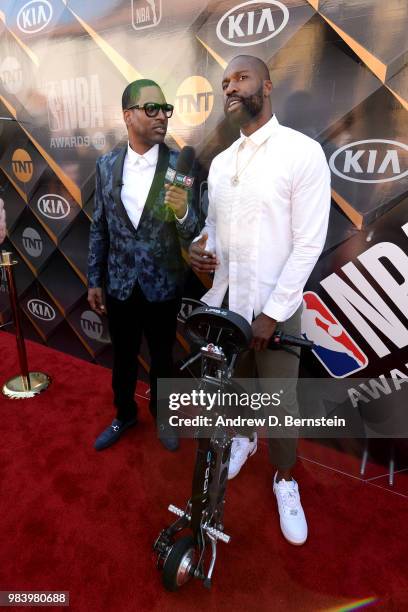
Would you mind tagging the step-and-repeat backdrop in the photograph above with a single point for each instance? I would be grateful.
(340, 75)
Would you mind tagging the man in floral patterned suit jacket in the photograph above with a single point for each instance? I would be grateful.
(135, 253)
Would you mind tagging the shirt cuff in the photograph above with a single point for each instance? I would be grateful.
(182, 218)
(279, 312)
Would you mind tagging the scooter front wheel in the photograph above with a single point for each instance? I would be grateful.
(179, 565)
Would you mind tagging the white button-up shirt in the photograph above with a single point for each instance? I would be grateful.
(137, 177)
(268, 230)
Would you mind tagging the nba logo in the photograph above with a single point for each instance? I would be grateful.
(146, 13)
(334, 347)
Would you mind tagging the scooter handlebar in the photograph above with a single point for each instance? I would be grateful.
(280, 339)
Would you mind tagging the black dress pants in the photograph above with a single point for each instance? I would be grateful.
(128, 320)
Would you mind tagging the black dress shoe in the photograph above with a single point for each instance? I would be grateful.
(111, 434)
(168, 437)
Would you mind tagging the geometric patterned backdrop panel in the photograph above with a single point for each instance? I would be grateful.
(340, 75)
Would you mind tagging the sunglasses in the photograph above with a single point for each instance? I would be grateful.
(152, 109)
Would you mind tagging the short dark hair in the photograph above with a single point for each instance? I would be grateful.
(260, 65)
(132, 92)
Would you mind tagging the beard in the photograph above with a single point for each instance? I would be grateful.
(251, 107)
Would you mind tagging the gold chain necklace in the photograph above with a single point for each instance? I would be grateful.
(235, 178)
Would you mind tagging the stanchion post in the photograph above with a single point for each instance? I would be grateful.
(27, 384)
(8, 264)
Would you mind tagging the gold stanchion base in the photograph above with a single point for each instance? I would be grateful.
(17, 387)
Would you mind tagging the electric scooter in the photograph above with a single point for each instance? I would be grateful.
(222, 335)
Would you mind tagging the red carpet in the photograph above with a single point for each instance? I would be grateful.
(76, 520)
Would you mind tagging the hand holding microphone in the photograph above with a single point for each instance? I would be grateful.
(176, 199)
(178, 182)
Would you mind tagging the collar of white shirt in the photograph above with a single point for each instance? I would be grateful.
(262, 134)
(148, 159)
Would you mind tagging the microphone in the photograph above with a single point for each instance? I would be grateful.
(181, 175)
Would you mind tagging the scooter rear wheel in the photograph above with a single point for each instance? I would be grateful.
(177, 568)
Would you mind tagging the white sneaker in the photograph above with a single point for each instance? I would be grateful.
(241, 449)
(292, 518)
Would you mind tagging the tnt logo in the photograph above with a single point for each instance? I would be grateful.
(146, 13)
(41, 310)
(187, 307)
(334, 347)
(194, 100)
(371, 161)
(53, 206)
(32, 242)
(252, 23)
(22, 165)
(11, 75)
(34, 16)
(91, 325)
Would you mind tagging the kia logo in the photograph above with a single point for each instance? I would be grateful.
(41, 310)
(370, 161)
(34, 16)
(258, 24)
(53, 206)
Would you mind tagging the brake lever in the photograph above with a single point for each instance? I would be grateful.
(190, 361)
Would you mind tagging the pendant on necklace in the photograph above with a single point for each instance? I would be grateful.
(235, 180)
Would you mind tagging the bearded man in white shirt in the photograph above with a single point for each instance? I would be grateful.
(269, 203)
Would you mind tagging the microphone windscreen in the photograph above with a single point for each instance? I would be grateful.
(185, 160)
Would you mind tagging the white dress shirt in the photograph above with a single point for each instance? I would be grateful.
(268, 230)
(137, 178)
(138, 173)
